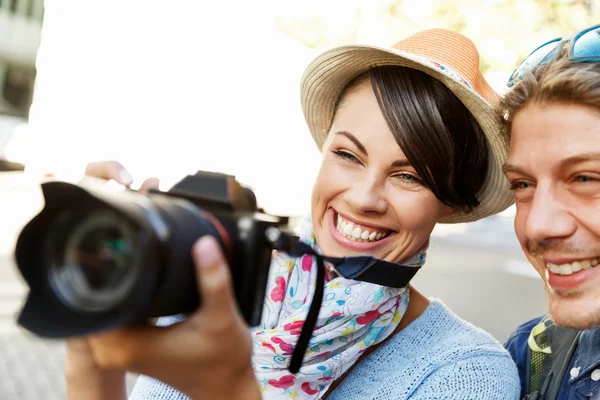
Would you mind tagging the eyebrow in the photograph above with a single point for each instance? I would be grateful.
(357, 143)
(401, 163)
(567, 162)
(354, 140)
(571, 161)
(515, 169)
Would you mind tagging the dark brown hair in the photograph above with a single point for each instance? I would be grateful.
(558, 81)
(437, 133)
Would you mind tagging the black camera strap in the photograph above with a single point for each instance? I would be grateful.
(361, 268)
(311, 320)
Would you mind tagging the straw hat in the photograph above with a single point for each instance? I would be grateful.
(447, 56)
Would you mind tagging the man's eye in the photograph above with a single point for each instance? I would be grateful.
(345, 155)
(519, 185)
(583, 178)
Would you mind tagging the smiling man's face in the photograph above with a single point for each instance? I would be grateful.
(554, 168)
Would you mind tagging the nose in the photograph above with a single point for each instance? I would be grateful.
(549, 217)
(367, 195)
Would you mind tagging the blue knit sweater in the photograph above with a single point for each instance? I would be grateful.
(438, 356)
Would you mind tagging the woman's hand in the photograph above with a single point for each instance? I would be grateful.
(88, 380)
(85, 378)
(207, 356)
(113, 170)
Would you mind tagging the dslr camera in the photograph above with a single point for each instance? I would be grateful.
(98, 256)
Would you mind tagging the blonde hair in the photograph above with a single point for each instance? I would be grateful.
(558, 81)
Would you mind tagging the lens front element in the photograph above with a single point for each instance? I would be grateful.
(94, 268)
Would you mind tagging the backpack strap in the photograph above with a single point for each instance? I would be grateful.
(564, 342)
(549, 353)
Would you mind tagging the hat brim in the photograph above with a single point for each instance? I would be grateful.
(326, 77)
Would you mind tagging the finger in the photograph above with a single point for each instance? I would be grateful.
(127, 348)
(109, 170)
(150, 183)
(214, 279)
(140, 349)
(78, 354)
(77, 343)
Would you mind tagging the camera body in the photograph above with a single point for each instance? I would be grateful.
(98, 256)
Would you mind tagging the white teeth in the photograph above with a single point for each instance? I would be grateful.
(587, 264)
(565, 270)
(348, 229)
(356, 232)
(554, 268)
(571, 268)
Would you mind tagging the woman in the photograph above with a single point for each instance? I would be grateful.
(409, 139)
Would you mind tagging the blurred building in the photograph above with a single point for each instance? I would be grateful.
(20, 29)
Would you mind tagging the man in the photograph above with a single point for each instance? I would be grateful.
(553, 112)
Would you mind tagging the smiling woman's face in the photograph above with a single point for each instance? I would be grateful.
(367, 198)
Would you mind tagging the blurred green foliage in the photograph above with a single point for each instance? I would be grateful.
(505, 31)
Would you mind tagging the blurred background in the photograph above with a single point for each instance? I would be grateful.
(168, 88)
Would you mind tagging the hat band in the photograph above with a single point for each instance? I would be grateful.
(447, 71)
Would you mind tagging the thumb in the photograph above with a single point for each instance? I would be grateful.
(150, 183)
(214, 277)
(109, 170)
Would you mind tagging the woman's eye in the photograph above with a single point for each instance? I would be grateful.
(409, 178)
(345, 155)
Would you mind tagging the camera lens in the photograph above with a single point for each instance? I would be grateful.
(95, 267)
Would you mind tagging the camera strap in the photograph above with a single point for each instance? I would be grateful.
(363, 268)
(311, 320)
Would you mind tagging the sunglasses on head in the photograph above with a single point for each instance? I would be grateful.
(585, 47)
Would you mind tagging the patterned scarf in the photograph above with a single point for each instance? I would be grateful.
(354, 316)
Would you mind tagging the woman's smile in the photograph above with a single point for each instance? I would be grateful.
(355, 235)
